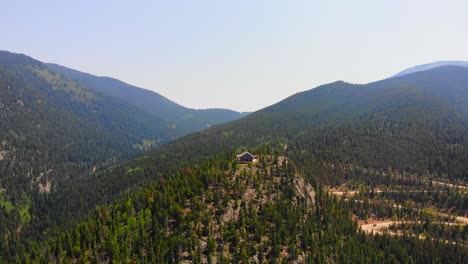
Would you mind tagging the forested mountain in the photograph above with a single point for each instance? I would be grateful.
(414, 123)
(169, 204)
(185, 119)
(428, 66)
(417, 122)
(53, 127)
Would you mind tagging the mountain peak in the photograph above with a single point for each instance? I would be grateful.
(428, 66)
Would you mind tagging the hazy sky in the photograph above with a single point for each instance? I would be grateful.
(242, 55)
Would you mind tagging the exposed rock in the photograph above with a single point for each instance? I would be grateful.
(45, 187)
(3, 154)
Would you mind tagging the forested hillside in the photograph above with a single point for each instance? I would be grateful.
(397, 133)
(185, 120)
(53, 127)
(406, 124)
(224, 212)
(53, 130)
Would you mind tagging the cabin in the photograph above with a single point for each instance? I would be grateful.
(246, 157)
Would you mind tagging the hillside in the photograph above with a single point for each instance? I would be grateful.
(185, 119)
(54, 129)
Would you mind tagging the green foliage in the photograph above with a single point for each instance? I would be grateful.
(135, 170)
(24, 208)
(8, 205)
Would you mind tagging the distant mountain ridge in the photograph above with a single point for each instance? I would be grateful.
(185, 119)
(428, 66)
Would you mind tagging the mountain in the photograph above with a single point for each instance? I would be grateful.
(59, 124)
(417, 121)
(192, 202)
(414, 124)
(189, 200)
(56, 131)
(54, 128)
(428, 66)
(185, 119)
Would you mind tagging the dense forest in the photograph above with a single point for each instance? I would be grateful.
(391, 150)
(53, 130)
(227, 212)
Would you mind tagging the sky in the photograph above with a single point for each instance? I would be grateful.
(242, 55)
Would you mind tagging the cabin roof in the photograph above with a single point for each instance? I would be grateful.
(244, 153)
